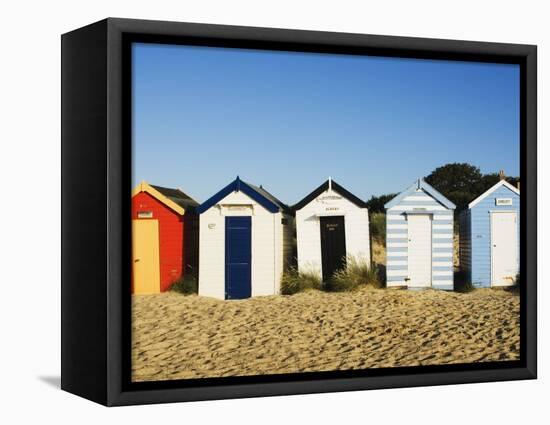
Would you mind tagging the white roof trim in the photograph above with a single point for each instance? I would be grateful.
(146, 187)
(491, 190)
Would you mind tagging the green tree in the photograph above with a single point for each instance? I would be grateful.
(378, 226)
(376, 203)
(459, 182)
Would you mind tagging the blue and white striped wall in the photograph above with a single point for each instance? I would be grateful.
(419, 199)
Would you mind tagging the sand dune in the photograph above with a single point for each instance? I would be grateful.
(181, 337)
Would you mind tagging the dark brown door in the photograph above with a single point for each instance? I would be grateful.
(333, 245)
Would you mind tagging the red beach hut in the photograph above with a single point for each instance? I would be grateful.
(164, 237)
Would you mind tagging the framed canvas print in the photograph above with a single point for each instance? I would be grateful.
(254, 212)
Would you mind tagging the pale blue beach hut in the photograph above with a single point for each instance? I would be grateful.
(489, 237)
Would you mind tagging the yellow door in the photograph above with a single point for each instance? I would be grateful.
(145, 256)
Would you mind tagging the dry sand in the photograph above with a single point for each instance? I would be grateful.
(181, 337)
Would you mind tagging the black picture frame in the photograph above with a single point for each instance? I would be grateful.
(96, 178)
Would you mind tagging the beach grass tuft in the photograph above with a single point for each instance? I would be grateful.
(357, 273)
(294, 281)
(186, 285)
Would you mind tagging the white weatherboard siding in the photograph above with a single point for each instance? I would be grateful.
(437, 263)
(390, 245)
(308, 241)
(212, 253)
(444, 216)
(398, 273)
(419, 241)
(442, 273)
(505, 259)
(397, 226)
(395, 217)
(264, 252)
(448, 245)
(268, 246)
(308, 233)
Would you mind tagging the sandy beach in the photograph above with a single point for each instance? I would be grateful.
(181, 337)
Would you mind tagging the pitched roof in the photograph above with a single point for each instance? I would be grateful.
(174, 199)
(325, 187)
(491, 190)
(269, 196)
(258, 194)
(179, 197)
(421, 184)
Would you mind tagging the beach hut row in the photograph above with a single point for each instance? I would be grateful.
(241, 240)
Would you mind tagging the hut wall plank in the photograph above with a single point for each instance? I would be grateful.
(212, 254)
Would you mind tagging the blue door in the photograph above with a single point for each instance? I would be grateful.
(238, 243)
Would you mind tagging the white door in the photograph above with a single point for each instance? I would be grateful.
(420, 250)
(504, 249)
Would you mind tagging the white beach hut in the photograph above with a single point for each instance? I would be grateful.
(489, 237)
(245, 242)
(419, 239)
(332, 224)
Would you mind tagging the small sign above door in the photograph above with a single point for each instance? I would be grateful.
(503, 201)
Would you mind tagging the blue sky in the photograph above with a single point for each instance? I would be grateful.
(202, 116)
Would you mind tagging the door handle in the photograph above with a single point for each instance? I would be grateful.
(136, 260)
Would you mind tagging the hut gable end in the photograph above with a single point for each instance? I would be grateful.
(257, 194)
(502, 188)
(417, 192)
(329, 185)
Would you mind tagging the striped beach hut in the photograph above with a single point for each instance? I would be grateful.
(332, 224)
(489, 237)
(419, 239)
(245, 242)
